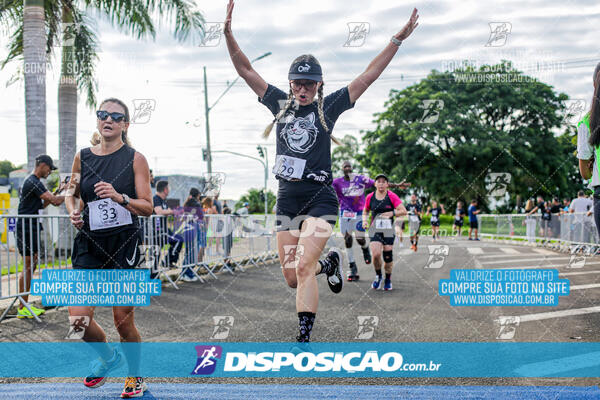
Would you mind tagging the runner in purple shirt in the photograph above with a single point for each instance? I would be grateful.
(350, 190)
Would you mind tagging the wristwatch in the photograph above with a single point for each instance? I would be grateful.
(396, 41)
(125, 199)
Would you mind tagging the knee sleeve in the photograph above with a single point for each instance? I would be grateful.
(348, 241)
(388, 256)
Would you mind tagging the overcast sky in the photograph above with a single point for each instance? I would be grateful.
(561, 36)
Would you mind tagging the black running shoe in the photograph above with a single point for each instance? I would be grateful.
(335, 280)
(366, 255)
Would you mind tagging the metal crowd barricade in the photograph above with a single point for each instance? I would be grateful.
(156, 253)
(573, 232)
(204, 245)
(37, 238)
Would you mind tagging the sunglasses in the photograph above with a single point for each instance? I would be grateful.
(309, 85)
(115, 116)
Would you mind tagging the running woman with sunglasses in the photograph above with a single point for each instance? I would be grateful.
(383, 206)
(306, 203)
(114, 189)
(350, 190)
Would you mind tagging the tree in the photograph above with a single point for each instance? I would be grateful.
(68, 23)
(6, 167)
(32, 46)
(446, 133)
(256, 203)
(347, 151)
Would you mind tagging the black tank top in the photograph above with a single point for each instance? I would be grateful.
(381, 206)
(115, 168)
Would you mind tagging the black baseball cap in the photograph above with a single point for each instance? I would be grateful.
(46, 159)
(382, 176)
(305, 70)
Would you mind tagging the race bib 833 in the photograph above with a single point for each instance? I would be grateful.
(105, 213)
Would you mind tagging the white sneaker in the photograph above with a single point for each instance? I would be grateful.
(186, 278)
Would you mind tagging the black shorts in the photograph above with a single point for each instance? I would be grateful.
(27, 238)
(385, 239)
(120, 250)
(473, 224)
(297, 201)
(458, 222)
(437, 223)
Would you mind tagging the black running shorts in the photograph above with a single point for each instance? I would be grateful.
(120, 250)
(298, 200)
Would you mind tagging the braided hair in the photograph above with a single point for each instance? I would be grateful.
(290, 100)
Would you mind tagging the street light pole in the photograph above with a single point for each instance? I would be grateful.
(262, 152)
(207, 110)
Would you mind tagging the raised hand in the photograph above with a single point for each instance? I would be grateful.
(227, 27)
(409, 27)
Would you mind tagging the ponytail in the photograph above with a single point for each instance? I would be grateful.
(125, 138)
(96, 139)
(595, 110)
(322, 115)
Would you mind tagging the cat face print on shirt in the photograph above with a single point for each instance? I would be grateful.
(300, 133)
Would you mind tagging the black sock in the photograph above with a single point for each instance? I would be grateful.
(378, 273)
(388, 277)
(326, 266)
(306, 320)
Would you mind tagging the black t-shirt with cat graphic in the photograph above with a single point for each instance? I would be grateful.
(303, 145)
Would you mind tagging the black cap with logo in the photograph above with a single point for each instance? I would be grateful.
(305, 70)
(46, 159)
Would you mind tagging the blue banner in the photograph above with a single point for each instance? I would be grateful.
(364, 359)
(503, 287)
(96, 287)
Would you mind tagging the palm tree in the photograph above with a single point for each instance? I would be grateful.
(34, 69)
(70, 19)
